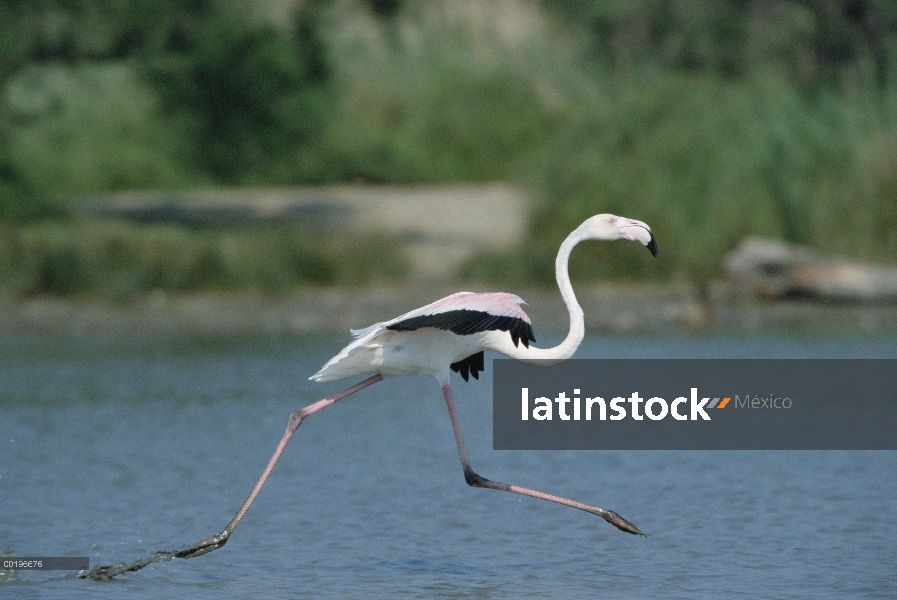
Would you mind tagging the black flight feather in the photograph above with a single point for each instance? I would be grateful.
(472, 365)
(468, 322)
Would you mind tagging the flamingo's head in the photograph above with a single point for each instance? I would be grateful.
(612, 227)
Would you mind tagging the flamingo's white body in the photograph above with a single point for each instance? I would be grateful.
(425, 350)
(449, 334)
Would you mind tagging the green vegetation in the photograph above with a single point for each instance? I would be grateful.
(120, 262)
(710, 120)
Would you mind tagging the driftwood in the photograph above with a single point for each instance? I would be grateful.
(773, 269)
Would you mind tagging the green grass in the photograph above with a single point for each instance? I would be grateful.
(707, 161)
(120, 261)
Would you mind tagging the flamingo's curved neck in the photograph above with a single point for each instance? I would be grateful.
(566, 348)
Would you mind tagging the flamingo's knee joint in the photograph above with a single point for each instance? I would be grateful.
(296, 418)
(474, 480)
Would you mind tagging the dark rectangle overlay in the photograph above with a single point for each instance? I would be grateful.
(45, 563)
(726, 404)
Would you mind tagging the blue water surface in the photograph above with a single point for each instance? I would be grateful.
(115, 448)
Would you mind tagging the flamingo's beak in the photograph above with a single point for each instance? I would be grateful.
(652, 245)
(637, 231)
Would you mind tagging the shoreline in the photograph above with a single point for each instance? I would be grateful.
(609, 309)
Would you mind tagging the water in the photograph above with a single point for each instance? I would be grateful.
(117, 448)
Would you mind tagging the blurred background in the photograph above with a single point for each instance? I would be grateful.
(156, 148)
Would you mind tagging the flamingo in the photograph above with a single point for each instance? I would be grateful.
(448, 335)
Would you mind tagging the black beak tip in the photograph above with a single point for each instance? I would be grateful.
(652, 245)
